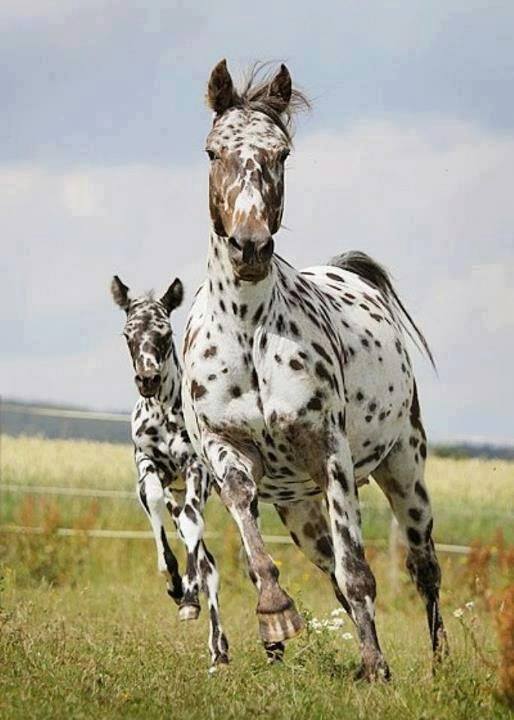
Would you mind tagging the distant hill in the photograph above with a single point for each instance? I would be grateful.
(57, 421)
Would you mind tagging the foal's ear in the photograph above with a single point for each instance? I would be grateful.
(220, 90)
(119, 293)
(173, 296)
(280, 89)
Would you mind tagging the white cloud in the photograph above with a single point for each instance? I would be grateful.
(430, 198)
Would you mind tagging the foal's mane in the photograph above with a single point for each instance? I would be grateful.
(254, 95)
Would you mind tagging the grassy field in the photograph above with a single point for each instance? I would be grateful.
(86, 629)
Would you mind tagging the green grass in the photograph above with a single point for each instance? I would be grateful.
(86, 630)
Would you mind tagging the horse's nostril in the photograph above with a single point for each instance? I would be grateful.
(266, 249)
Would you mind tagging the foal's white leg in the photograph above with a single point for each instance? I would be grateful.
(151, 496)
(218, 644)
(352, 572)
(201, 566)
(190, 525)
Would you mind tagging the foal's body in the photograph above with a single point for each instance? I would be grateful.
(298, 385)
(171, 478)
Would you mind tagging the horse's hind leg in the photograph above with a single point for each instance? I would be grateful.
(401, 477)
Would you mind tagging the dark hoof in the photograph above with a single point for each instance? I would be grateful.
(188, 612)
(374, 672)
(441, 651)
(275, 652)
(279, 626)
(219, 663)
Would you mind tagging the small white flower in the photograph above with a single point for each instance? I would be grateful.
(337, 611)
(470, 605)
(337, 622)
(347, 636)
(458, 613)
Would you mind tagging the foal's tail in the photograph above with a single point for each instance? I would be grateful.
(376, 274)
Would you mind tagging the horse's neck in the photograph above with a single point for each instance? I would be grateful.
(169, 395)
(229, 296)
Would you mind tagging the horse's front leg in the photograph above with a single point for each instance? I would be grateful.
(151, 496)
(237, 475)
(352, 572)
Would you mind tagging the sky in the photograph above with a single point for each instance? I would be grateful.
(407, 154)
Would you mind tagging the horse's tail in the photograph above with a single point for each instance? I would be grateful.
(376, 274)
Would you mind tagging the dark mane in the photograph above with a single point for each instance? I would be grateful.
(254, 95)
(374, 273)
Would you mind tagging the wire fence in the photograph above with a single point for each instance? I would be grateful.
(394, 542)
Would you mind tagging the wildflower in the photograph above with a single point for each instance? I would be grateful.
(470, 605)
(458, 613)
(337, 623)
(347, 636)
(337, 611)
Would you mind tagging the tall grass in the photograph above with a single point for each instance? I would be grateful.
(87, 631)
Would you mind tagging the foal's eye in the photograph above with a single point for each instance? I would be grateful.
(283, 155)
(212, 155)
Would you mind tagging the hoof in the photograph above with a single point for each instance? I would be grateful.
(374, 672)
(219, 664)
(276, 627)
(188, 612)
(275, 652)
(441, 652)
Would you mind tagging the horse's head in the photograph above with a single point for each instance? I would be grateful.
(148, 332)
(247, 146)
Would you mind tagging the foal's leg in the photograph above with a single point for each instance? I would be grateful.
(401, 477)
(201, 566)
(190, 525)
(218, 644)
(352, 572)
(151, 496)
(236, 475)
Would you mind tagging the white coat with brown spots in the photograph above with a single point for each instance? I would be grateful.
(298, 385)
(171, 478)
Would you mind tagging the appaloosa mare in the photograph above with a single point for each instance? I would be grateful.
(298, 385)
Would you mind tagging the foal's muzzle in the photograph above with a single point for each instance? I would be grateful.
(148, 384)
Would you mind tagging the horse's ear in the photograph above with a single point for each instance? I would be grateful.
(120, 293)
(173, 296)
(220, 90)
(281, 88)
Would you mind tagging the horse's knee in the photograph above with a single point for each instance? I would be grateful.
(238, 489)
(425, 571)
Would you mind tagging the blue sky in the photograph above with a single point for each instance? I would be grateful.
(408, 154)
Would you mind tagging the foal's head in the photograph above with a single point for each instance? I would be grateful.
(148, 332)
(248, 146)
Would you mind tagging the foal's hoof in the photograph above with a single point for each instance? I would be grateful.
(377, 671)
(275, 652)
(283, 625)
(219, 663)
(188, 612)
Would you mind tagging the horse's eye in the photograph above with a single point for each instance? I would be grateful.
(283, 155)
(212, 155)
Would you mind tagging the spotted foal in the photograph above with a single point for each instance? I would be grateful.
(170, 476)
(298, 385)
